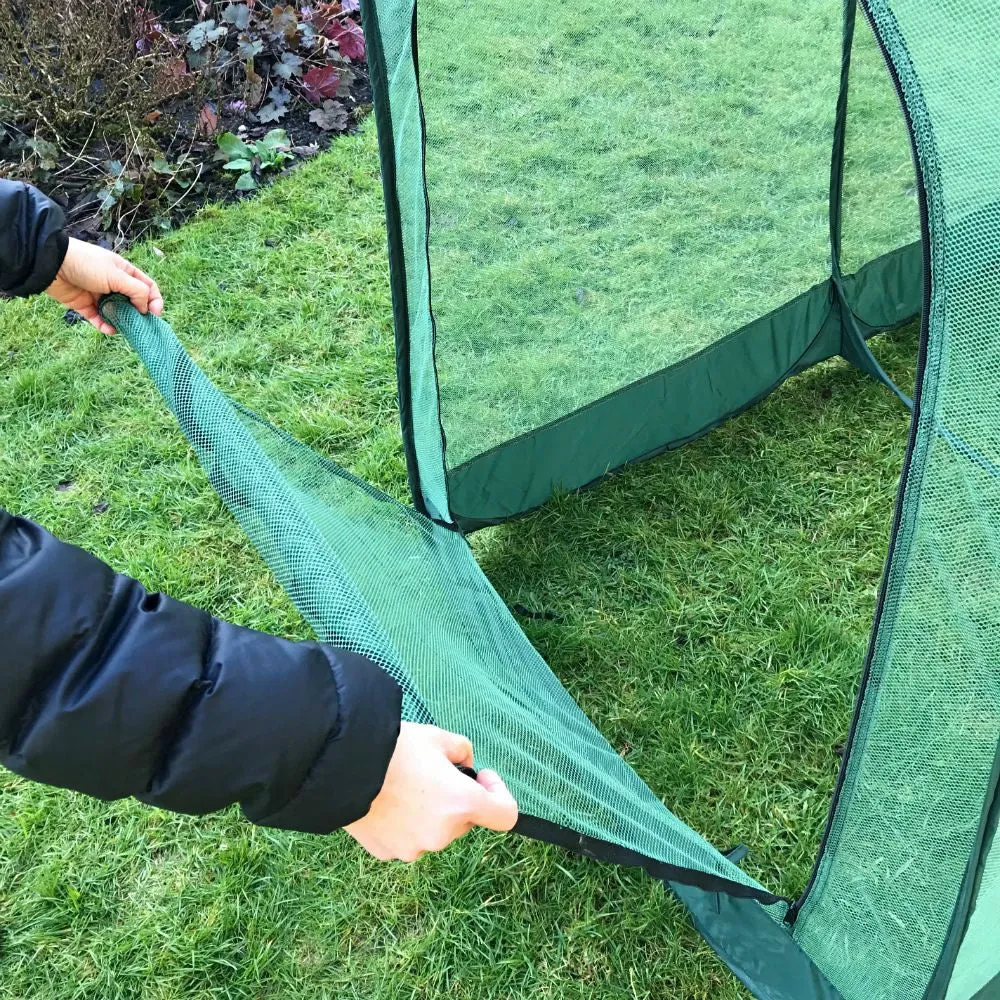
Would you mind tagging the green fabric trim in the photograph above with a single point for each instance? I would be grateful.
(682, 402)
(970, 887)
(854, 347)
(758, 949)
(991, 991)
(839, 137)
(888, 291)
(390, 33)
(394, 237)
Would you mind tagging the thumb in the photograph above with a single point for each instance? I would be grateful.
(137, 291)
(496, 808)
(456, 748)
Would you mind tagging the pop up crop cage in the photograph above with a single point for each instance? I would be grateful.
(602, 244)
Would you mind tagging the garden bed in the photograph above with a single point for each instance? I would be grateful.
(132, 118)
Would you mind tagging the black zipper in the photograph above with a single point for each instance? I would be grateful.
(793, 911)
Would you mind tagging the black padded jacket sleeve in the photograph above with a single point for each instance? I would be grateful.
(32, 241)
(113, 691)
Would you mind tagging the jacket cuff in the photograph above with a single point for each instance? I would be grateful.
(361, 745)
(32, 242)
(50, 258)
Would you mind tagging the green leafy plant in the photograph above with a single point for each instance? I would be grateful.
(250, 159)
(273, 56)
(147, 181)
(46, 153)
(172, 182)
(181, 172)
(114, 106)
(119, 185)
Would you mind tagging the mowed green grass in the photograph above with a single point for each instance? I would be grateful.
(713, 612)
(611, 193)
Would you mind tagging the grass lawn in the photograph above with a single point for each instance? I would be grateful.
(613, 192)
(714, 608)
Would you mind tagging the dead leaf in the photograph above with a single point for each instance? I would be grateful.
(208, 119)
(347, 79)
(285, 21)
(255, 85)
(331, 117)
(176, 76)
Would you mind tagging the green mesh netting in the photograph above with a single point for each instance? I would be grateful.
(373, 576)
(590, 216)
(611, 192)
(608, 195)
(883, 906)
(581, 201)
(604, 196)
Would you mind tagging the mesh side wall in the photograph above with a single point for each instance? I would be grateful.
(979, 957)
(393, 40)
(374, 576)
(613, 190)
(920, 765)
(880, 208)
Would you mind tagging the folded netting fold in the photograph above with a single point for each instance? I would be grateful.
(372, 575)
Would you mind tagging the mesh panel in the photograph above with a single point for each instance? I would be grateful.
(919, 769)
(613, 190)
(395, 17)
(979, 957)
(373, 576)
(880, 209)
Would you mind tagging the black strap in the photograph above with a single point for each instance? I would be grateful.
(602, 850)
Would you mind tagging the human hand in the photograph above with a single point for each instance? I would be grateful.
(426, 802)
(89, 271)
